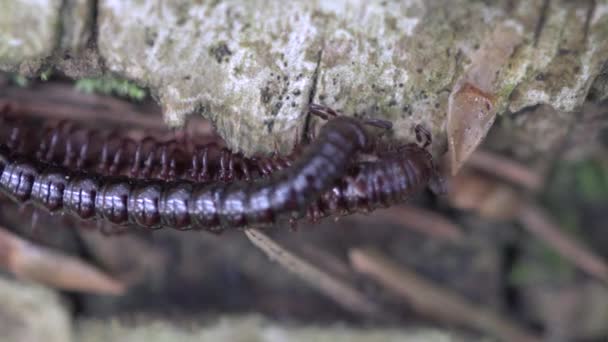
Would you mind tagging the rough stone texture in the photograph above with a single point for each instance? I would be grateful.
(32, 313)
(241, 63)
(28, 33)
(253, 329)
(77, 24)
(76, 55)
(252, 66)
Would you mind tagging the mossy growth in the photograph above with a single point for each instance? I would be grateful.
(577, 191)
(591, 179)
(46, 74)
(23, 81)
(19, 80)
(584, 183)
(111, 85)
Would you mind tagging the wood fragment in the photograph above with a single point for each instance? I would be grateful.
(420, 220)
(430, 299)
(506, 169)
(341, 292)
(28, 261)
(488, 197)
(473, 102)
(331, 263)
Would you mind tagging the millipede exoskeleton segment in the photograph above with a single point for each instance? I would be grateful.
(393, 178)
(156, 203)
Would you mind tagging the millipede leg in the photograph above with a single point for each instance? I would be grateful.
(423, 136)
(172, 160)
(164, 161)
(56, 137)
(323, 112)
(70, 149)
(83, 154)
(242, 164)
(204, 174)
(115, 164)
(224, 164)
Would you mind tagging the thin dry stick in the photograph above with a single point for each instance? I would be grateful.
(537, 222)
(331, 263)
(429, 299)
(506, 169)
(423, 221)
(28, 261)
(63, 101)
(344, 294)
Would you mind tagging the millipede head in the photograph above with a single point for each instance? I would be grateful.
(423, 136)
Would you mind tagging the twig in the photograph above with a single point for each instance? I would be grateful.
(37, 263)
(429, 299)
(344, 294)
(331, 263)
(497, 201)
(506, 169)
(487, 196)
(537, 222)
(62, 101)
(423, 221)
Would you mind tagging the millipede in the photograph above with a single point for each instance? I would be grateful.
(113, 154)
(394, 178)
(155, 185)
(183, 204)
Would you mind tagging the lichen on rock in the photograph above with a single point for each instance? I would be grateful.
(247, 66)
(28, 33)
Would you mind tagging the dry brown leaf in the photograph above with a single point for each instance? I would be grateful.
(471, 113)
(472, 106)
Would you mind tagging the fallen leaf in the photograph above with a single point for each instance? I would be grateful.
(472, 105)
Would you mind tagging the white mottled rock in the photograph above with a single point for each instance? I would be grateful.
(28, 33)
(247, 65)
(253, 66)
(31, 312)
(255, 329)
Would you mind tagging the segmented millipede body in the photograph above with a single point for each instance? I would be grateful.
(392, 179)
(112, 154)
(184, 204)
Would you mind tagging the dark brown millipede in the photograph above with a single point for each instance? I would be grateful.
(111, 153)
(185, 204)
(326, 167)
